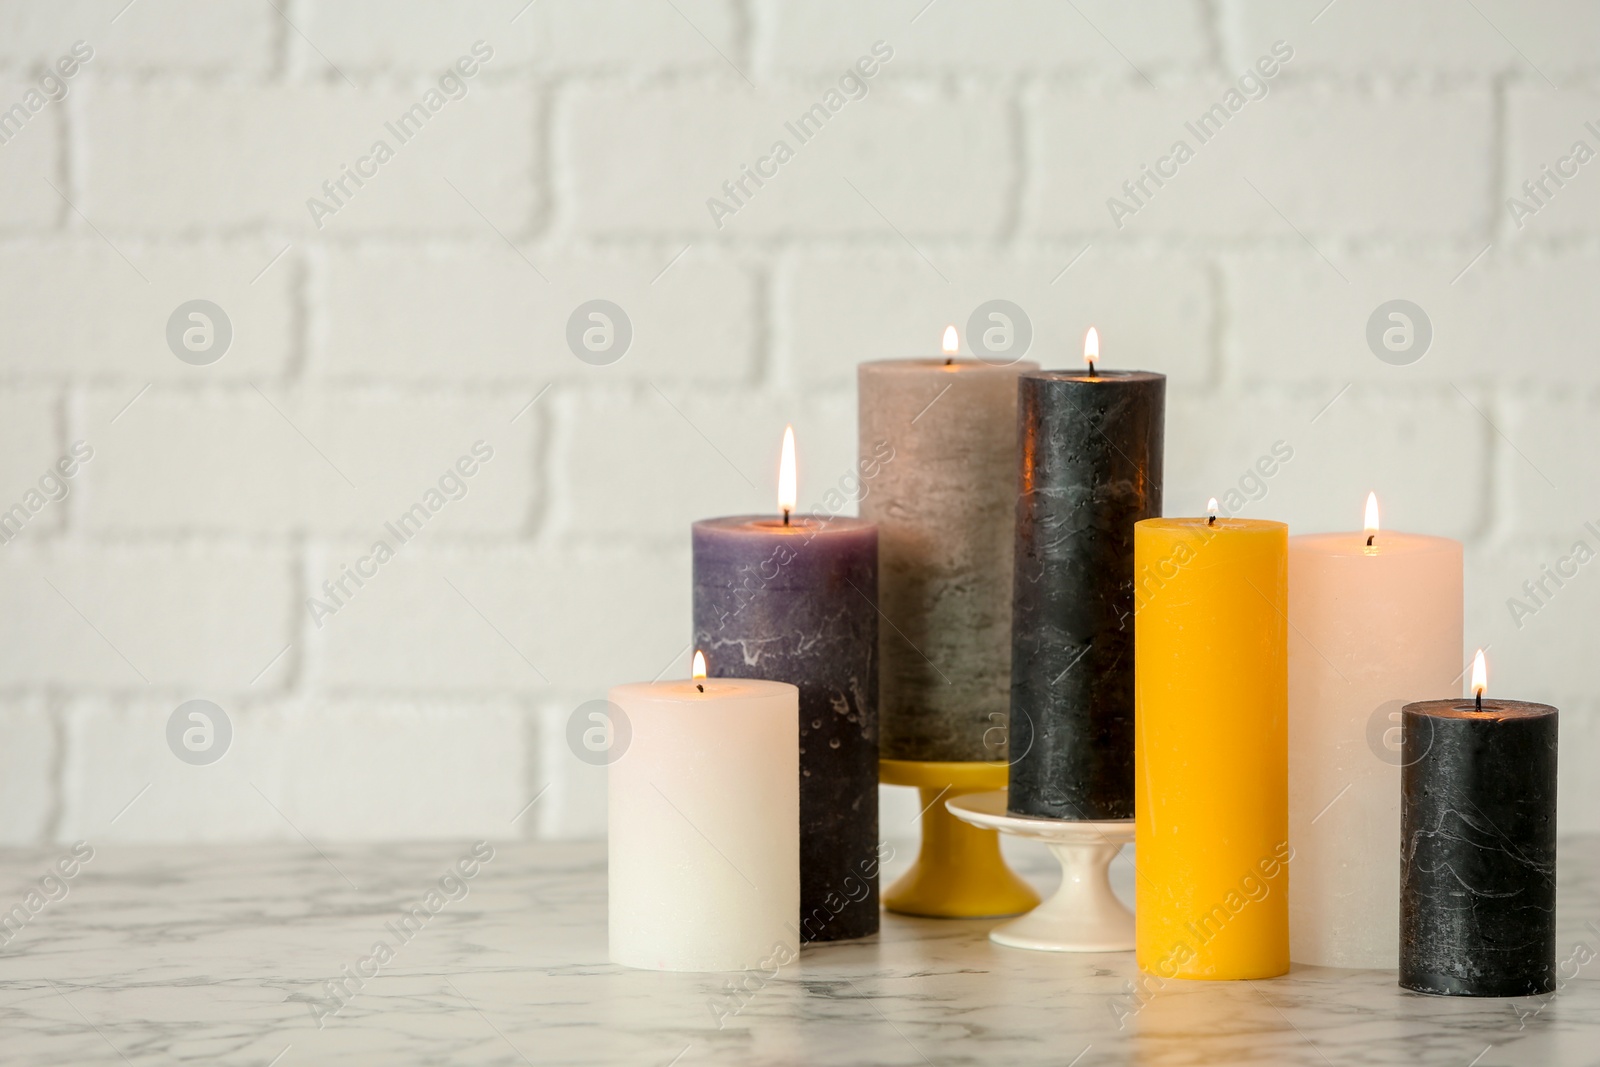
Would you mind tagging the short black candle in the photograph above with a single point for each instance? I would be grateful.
(1478, 848)
(1090, 455)
(793, 600)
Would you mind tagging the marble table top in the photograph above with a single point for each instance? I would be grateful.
(228, 954)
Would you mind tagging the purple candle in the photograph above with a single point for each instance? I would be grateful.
(793, 599)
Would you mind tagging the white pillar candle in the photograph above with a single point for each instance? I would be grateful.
(704, 825)
(1372, 627)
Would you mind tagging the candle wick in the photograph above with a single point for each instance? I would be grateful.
(1211, 520)
(1370, 536)
(1091, 370)
(1478, 699)
(948, 360)
(700, 687)
(786, 516)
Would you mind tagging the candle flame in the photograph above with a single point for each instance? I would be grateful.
(951, 343)
(1480, 675)
(1091, 346)
(1372, 513)
(787, 494)
(1211, 508)
(699, 664)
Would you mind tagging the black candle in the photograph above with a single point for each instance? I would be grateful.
(1091, 451)
(1478, 848)
(791, 599)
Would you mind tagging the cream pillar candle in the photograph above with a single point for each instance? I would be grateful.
(1372, 627)
(704, 826)
(943, 433)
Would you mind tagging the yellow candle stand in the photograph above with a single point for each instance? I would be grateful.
(959, 872)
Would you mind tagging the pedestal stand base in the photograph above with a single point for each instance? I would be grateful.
(1084, 915)
(959, 872)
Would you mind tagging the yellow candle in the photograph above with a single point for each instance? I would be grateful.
(1211, 747)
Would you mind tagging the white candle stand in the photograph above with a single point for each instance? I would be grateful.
(1084, 915)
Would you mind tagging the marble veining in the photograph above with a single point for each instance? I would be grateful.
(221, 954)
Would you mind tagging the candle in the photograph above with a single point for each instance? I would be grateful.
(1091, 451)
(1211, 749)
(703, 826)
(1478, 851)
(945, 505)
(1375, 622)
(791, 599)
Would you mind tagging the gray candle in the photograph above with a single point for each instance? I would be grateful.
(944, 503)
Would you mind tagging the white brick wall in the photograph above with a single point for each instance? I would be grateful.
(995, 40)
(185, 161)
(456, 315)
(108, 326)
(649, 160)
(370, 353)
(236, 461)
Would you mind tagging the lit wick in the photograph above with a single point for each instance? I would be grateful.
(1211, 512)
(698, 671)
(787, 493)
(1091, 348)
(1372, 517)
(1480, 679)
(950, 345)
